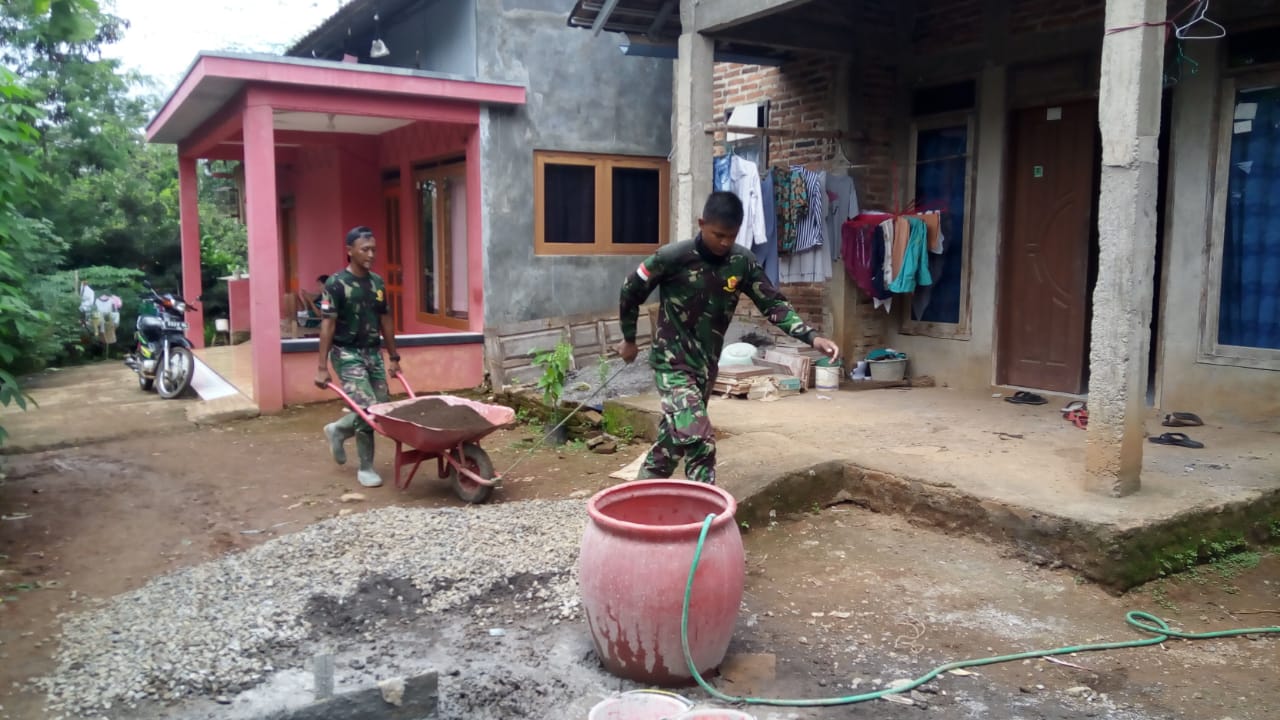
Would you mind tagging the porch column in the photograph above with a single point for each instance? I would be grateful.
(693, 109)
(261, 207)
(1129, 116)
(189, 216)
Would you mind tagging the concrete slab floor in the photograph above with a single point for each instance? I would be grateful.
(1022, 467)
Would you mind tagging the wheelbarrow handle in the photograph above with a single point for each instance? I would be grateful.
(356, 407)
(405, 383)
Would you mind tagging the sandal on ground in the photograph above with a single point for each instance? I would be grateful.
(1022, 397)
(1078, 417)
(1178, 439)
(1182, 419)
(1073, 406)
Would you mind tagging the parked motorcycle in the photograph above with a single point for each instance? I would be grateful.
(162, 357)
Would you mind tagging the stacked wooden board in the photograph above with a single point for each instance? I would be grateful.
(737, 380)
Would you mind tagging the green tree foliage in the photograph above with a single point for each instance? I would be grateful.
(82, 196)
(18, 174)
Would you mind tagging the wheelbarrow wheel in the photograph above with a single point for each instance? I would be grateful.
(475, 459)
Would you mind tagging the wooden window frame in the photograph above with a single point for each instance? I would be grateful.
(604, 166)
(438, 173)
(394, 253)
(961, 330)
(1211, 351)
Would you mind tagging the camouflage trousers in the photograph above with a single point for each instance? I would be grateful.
(362, 376)
(684, 431)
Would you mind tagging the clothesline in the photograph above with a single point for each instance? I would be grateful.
(774, 132)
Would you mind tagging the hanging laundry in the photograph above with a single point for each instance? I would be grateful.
(791, 200)
(914, 271)
(767, 252)
(744, 181)
(720, 168)
(856, 238)
(843, 206)
(813, 224)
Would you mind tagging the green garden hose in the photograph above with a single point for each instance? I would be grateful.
(1140, 620)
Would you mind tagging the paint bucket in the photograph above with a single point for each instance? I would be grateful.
(641, 705)
(715, 714)
(826, 375)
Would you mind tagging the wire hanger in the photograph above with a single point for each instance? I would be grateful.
(1216, 30)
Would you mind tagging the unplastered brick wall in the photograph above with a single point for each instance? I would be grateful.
(800, 99)
(1033, 16)
(803, 96)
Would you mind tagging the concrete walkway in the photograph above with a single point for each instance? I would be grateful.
(102, 402)
(1015, 473)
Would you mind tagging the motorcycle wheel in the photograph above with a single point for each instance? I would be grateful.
(175, 378)
(145, 383)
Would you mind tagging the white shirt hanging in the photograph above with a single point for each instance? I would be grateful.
(744, 181)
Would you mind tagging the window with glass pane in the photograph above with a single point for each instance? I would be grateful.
(569, 201)
(942, 166)
(428, 249)
(635, 205)
(456, 258)
(1249, 299)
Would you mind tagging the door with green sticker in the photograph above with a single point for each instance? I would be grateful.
(1044, 259)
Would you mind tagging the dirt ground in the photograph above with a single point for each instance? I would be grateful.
(94, 521)
(846, 601)
(838, 601)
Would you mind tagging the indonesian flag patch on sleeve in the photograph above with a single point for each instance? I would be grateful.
(643, 272)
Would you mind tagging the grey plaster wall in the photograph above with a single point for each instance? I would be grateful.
(438, 37)
(583, 96)
(969, 363)
(1216, 392)
(1184, 382)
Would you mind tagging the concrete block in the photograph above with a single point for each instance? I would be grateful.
(418, 699)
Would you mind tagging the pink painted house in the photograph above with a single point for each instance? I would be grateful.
(470, 147)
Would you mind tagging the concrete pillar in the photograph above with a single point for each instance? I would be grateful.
(261, 209)
(1129, 116)
(693, 109)
(189, 217)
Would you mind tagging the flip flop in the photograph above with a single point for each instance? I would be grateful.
(1022, 397)
(1079, 417)
(1182, 419)
(1178, 439)
(1073, 406)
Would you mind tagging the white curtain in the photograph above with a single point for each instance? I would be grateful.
(458, 261)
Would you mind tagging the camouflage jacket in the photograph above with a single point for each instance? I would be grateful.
(698, 295)
(358, 304)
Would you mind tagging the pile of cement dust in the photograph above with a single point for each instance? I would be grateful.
(220, 628)
(634, 379)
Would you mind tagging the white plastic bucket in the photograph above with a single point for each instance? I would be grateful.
(888, 370)
(827, 378)
(641, 705)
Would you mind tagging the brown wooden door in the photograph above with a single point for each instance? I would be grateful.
(1044, 268)
(395, 253)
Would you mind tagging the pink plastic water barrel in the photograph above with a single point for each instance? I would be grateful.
(632, 571)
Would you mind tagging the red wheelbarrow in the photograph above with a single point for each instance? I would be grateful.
(457, 452)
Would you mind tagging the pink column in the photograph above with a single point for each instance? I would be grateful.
(189, 213)
(264, 256)
(475, 235)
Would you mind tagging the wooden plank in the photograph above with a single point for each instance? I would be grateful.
(738, 372)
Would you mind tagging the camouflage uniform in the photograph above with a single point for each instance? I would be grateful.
(698, 297)
(357, 304)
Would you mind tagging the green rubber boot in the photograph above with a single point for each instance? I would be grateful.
(367, 476)
(337, 433)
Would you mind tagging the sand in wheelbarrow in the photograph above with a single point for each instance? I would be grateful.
(436, 413)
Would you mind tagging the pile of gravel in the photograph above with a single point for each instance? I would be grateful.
(221, 627)
(634, 379)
